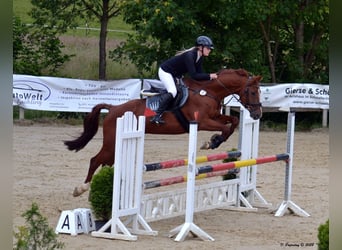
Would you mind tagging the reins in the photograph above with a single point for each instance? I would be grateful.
(239, 99)
(246, 92)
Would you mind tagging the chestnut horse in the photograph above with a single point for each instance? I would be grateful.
(206, 97)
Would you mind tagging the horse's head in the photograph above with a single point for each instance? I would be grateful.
(247, 87)
(250, 97)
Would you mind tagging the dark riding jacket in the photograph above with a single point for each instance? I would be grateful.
(184, 63)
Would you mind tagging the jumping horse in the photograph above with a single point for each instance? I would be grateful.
(205, 97)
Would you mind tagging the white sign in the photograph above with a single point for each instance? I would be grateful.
(290, 95)
(63, 94)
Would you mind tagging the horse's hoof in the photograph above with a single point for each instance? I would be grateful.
(206, 145)
(214, 136)
(81, 189)
(76, 192)
(216, 140)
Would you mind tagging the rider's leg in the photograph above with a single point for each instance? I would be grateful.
(166, 98)
(168, 81)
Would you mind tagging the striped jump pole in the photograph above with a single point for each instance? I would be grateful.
(184, 162)
(216, 170)
(242, 163)
(182, 178)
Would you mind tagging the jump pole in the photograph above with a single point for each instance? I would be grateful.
(189, 226)
(218, 169)
(287, 203)
(184, 162)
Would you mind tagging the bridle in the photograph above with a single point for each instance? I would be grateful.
(247, 105)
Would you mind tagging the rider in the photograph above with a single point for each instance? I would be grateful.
(187, 61)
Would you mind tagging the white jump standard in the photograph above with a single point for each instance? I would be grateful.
(127, 183)
(189, 226)
(137, 209)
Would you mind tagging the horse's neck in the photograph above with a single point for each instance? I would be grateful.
(222, 89)
(233, 80)
(218, 87)
(193, 84)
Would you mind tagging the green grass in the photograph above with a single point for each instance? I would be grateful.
(83, 43)
(117, 28)
(85, 63)
(21, 9)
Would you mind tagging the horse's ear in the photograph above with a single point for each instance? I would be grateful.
(258, 78)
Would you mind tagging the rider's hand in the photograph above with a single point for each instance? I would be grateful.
(213, 76)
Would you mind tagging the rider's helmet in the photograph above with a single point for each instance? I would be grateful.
(204, 41)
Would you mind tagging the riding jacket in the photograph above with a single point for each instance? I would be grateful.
(184, 63)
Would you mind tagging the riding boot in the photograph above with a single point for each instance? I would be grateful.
(165, 100)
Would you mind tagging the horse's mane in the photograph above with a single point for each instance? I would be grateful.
(240, 72)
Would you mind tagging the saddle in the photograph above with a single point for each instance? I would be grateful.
(153, 96)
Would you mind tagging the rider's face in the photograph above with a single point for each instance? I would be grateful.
(206, 51)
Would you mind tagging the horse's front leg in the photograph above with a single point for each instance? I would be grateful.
(220, 124)
(232, 120)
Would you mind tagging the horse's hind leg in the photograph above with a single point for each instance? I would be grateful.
(104, 157)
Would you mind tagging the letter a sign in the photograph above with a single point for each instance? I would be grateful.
(70, 222)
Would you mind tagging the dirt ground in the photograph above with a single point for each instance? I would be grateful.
(46, 172)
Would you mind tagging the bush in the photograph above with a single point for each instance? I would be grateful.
(37, 234)
(101, 193)
(233, 172)
(323, 236)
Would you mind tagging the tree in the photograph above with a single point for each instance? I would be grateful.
(103, 10)
(159, 31)
(281, 40)
(56, 17)
(36, 50)
(296, 38)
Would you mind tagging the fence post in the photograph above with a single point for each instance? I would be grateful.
(325, 118)
(21, 113)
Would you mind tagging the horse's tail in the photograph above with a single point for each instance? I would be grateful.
(90, 127)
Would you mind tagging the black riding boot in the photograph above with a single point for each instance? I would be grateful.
(166, 98)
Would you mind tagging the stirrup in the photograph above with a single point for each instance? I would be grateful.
(148, 92)
(157, 119)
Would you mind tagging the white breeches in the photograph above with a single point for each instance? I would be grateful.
(168, 82)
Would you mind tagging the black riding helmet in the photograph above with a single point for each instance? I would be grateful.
(204, 41)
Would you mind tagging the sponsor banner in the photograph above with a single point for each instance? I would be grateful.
(63, 94)
(290, 95)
